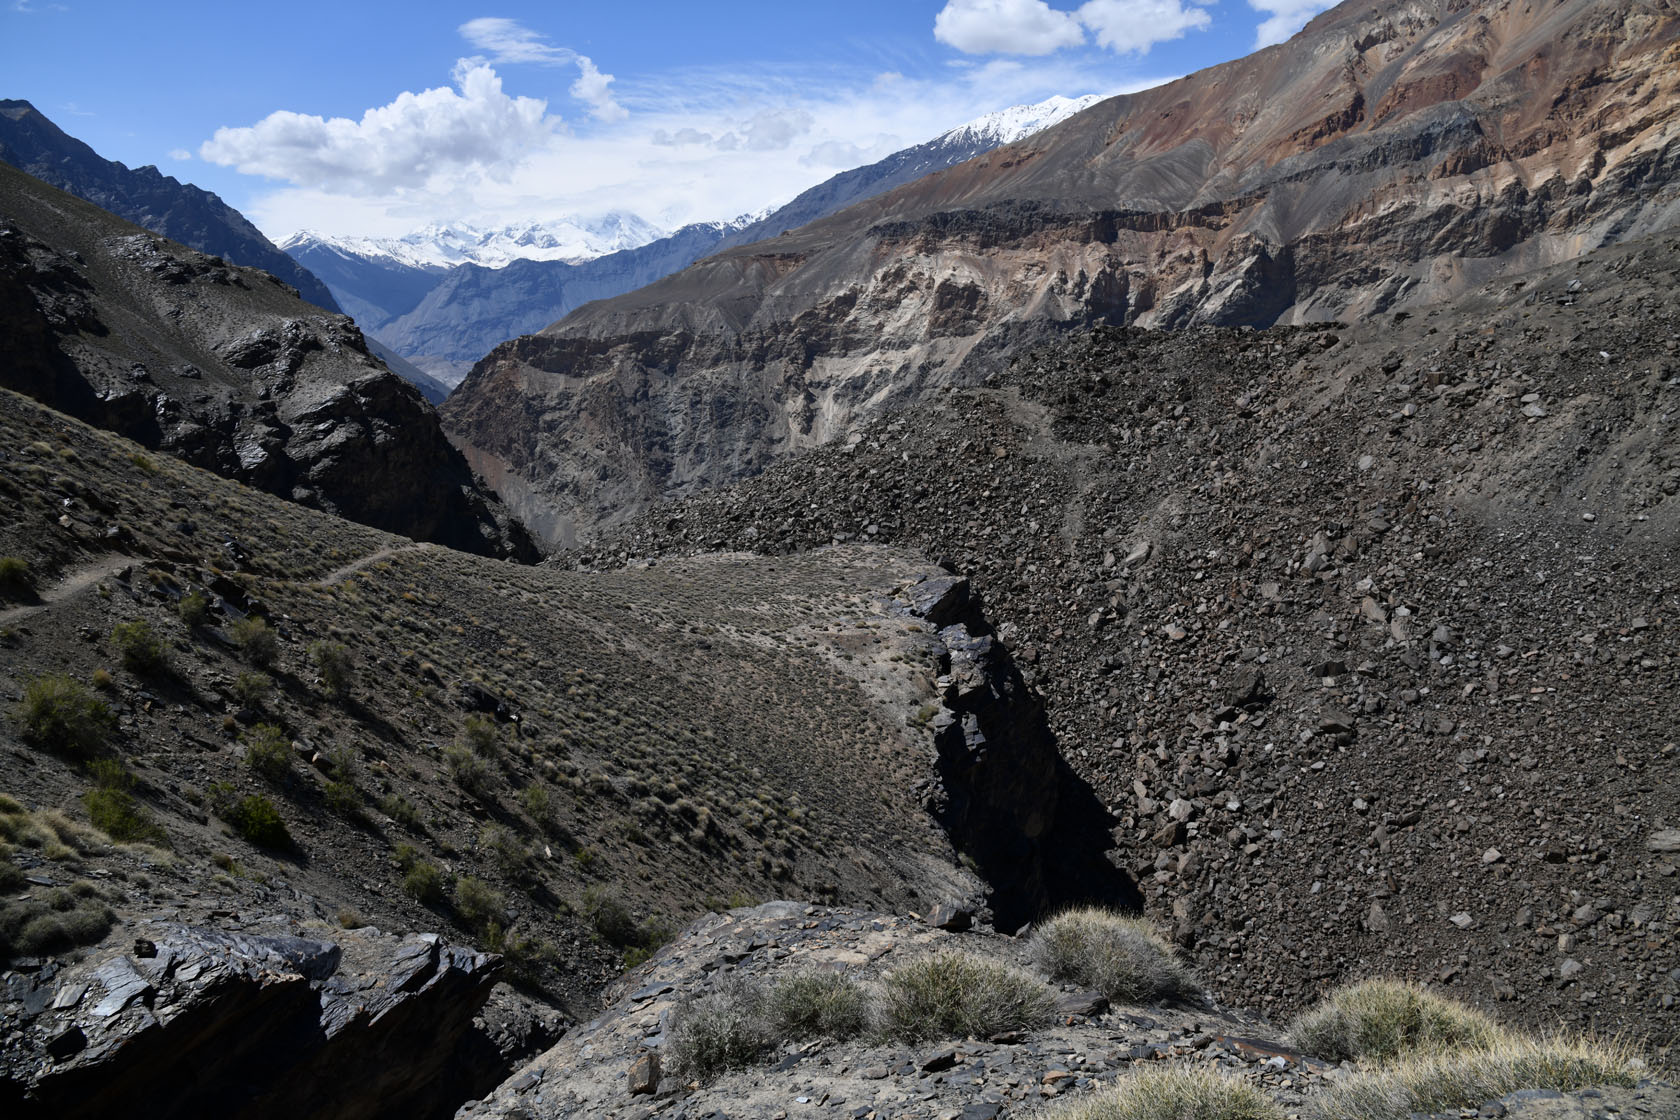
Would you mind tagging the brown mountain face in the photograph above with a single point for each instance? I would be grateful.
(1388, 156)
(227, 368)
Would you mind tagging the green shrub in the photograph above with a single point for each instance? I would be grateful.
(344, 799)
(256, 641)
(818, 1005)
(1387, 1018)
(253, 817)
(12, 877)
(481, 736)
(139, 648)
(957, 995)
(718, 1032)
(114, 810)
(194, 608)
(52, 922)
(267, 752)
(252, 688)
(478, 903)
(468, 770)
(401, 810)
(15, 580)
(60, 714)
(604, 910)
(424, 883)
(539, 806)
(1421, 1082)
(527, 956)
(1179, 1092)
(336, 667)
(1121, 957)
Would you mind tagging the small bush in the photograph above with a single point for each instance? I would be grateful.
(539, 806)
(52, 923)
(102, 680)
(1180, 1092)
(956, 995)
(1121, 957)
(607, 915)
(268, 752)
(60, 714)
(139, 648)
(424, 883)
(478, 903)
(1447, 1081)
(256, 641)
(253, 817)
(114, 810)
(336, 667)
(1387, 1018)
(401, 810)
(818, 1005)
(527, 956)
(718, 1032)
(468, 770)
(481, 736)
(15, 580)
(344, 799)
(193, 608)
(252, 688)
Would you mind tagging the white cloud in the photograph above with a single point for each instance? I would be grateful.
(1034, 27)
(180, 154)
(1285, 18)
(396, 146)
(1136, 25)
(1006, 27)
(509, 42)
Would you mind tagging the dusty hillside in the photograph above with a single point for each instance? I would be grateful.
(561, 767)
(1366, 635)
(226, 368)
(1386, 157)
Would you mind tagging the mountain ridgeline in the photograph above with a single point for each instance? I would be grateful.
(1384, 158)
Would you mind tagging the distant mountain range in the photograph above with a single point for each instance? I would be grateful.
(147, 197)
(444, 296)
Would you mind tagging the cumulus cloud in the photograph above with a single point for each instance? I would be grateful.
(1006, 27)
(1125, 26)
(507, 41)
(1034, 27)
(1284, 18)
(180, 153)
(395, 146)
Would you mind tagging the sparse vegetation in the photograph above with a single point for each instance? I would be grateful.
(268, 753)
(335, 666)
(424, 883)
(480, 735)
(818, 1005)
(253, 817)
(604, 909)
(478, 903)
(139, 648)
(54, 920)
(114, 810)
(251, 689)
(1387, 1018)
(721, 1031)
(1178, 1092)
(953, 994)
(60, 714)
(256, 641)
(15, 579)
(468, 770)
(194, 608)
(1119, 956)
(1465, 1078)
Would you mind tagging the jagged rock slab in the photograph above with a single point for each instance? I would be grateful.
(196, 1021)
(226, 368)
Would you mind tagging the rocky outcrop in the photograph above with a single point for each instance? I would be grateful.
(199, 1022)
(146, 197)
(1384, 158)
(226, 368)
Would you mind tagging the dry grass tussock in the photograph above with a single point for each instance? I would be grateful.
(1121, 957)
(1446, 1081)
(1388, 1018)
(1180, 1092)
(959, 995)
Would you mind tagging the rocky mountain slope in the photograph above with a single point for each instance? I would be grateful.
(1385, 157)
(242, 719)
(1362, 633)
(146, 197)
(444, 320)
(226, 368)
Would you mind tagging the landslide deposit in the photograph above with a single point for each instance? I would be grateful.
(1365, 634)
(1384, 158)
(226, 368)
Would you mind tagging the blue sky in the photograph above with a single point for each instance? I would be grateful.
(358, 118)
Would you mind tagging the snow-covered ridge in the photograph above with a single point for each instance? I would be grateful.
(1018, 121)
(442, 245)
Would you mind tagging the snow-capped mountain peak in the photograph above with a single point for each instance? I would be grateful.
(444, 245)
(1018, 121)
